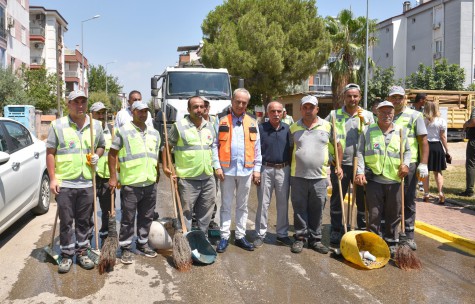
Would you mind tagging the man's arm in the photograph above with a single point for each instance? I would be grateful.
(112, 159)
(50, 165)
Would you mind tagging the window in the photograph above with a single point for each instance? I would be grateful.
(23, 3)
(3, 33)
(413, 47)
(387, 55)
(413, 20)
(23, 35)
(438, 46)
(387, 30)
(19, 135)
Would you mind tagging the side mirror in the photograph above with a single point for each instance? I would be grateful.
(153, 84)
(154, 92)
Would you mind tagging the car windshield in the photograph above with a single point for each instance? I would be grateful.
(198, 83)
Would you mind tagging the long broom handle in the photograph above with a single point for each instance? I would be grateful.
(54, 226)
(353, 202)
(401, 156)
(112, 211)
(337, 164)
(170, 164)
(93, 171)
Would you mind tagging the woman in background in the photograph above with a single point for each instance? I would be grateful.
(436, 136)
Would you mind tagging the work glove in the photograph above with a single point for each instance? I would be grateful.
(423, 171)
(92, 159)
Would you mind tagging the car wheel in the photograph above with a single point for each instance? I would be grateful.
(44, 196)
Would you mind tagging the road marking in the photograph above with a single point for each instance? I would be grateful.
(355, 289)
(445, 241)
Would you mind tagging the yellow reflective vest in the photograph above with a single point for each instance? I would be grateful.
(193, 149)
(407, 119)
(139, 155)
(70, 158)
(103, 163)
(382, 159)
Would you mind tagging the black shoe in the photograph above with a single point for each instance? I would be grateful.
(223, 244)
(297, 246)
(465, 193)
(155, 216)
(319, 247)
(286, 241)
(244, 244)
(213, 225)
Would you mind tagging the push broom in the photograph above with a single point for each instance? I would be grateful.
(404, 257)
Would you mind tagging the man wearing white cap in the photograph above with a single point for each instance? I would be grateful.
(310, 137)
(99, 112)
(136, 144)
(69, 168)
(380, 167)
(349, 122)
(125, 115)
(413, 121)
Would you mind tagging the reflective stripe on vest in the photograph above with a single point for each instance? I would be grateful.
(407, 120)
(382, 159)
(340, 124)
(71, 151)
(225, 131)
(103, 163)
(193, 149)
(138, 158)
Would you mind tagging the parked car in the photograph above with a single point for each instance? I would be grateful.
(24, 181)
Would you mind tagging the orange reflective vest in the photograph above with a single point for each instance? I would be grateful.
(225, 131)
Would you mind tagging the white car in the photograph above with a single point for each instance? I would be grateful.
(24, 181)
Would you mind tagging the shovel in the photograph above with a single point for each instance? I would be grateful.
(49, 249)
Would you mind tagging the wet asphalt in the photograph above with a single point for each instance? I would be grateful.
(270, 274)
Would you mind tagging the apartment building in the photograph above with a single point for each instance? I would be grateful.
(14, 46)
(426, 32)
(73, 69)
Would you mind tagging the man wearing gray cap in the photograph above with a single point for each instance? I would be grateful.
(413, 121)
(349, 122)
(380, 167)
(310, 137)
(99, 112)
(136, 145)
(67, 146)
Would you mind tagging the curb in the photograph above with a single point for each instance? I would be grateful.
(459, 240)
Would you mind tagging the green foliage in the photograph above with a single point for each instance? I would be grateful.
(348, 36)
(441, 76)
(11, 89)
(379, 84)
(471, 87)
(112, 103)
(42, 88)
(270, 43)
(97, 82)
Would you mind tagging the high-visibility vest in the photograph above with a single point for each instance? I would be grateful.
(71, 151)
(103, 163)
(324, 126)
(340, 125)
(288, 120)
(138, 157)
(382, 159)
(193, 149)
(407, 120)
(225, 131)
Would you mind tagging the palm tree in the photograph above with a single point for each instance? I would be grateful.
(348, 36)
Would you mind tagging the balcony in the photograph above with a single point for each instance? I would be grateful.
(72, 74)
(36, 61)
(320, 88)
(37, 34)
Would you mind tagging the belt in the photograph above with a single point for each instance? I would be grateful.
(277, 166)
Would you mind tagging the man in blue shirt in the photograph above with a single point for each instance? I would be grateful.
(275, 174)
(238, 163)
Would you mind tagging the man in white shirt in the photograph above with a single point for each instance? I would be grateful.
(125, 115)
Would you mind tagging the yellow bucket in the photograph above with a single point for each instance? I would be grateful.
(353, 242)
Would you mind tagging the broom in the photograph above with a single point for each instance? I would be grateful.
(181, 252)
(94, 254)
(337, 164)
(404, 257)
(109, 248)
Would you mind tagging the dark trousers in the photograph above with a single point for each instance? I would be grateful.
(470, 166)
(138, 201)
(75, 206)
(384, 201)
(335, 202)
(104, 194)
(410, 185)
(308, 200)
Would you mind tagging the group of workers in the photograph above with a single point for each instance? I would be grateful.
(231, 152)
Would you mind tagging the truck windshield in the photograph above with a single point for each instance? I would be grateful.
(199, 83)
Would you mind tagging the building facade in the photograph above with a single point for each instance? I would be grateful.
(429, 31)
(14, 44)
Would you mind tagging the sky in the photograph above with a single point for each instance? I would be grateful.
(142, 36)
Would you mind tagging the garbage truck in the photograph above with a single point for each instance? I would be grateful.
(172, 89)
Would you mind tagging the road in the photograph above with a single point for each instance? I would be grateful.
(271, 274)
